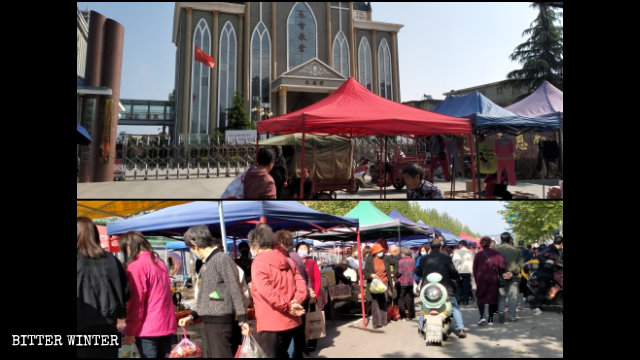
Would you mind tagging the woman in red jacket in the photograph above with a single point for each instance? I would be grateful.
(278, 292)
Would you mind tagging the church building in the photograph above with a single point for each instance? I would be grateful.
(281, 56)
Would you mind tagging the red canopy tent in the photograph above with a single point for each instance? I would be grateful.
(354, 111)
(470, 238)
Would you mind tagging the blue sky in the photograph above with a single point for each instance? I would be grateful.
(442, 46)
(480, 216)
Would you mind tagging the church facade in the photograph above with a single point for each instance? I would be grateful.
(280, 56)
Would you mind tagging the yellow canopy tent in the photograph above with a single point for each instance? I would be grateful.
(101, 209)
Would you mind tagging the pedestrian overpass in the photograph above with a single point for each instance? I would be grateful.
(147, 113)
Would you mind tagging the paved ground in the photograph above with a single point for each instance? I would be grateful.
(213, 188)
(530, 336)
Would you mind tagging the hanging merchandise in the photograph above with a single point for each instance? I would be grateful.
(505, 153)
(455, 155)
(487, 158)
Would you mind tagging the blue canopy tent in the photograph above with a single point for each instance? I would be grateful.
(488, 118)
(82, 136)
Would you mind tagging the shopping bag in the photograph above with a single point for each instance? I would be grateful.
(235, 190)
(314, 326)
(185, 348)
(377, 286)
(393, 313)
(128, 352)
(250, 348)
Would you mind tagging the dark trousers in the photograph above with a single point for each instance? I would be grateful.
(379, 309)
(463, 292)
(218, 339)
(406, 302)
(98, 352)
(543, 285)
(275, 344)
(154, 347)
(493, 308)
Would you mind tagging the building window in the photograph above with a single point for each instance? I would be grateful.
(384, 70)
(364, 64)
(200, 75)
(227, 73)
(260, 64)
(301, 35)
(341, 54)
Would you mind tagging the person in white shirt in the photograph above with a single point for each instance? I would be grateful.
(463, 262)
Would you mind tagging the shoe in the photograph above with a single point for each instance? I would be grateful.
(462, 334)
(490, 322)
(482, 322)
(537, 311)
(501, 317)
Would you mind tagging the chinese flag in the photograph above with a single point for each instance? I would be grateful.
(203, 57)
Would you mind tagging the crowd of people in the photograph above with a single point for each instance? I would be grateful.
(281, 283)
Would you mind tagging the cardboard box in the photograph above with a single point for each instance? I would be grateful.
(469, 184)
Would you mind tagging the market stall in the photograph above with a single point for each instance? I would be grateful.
(354, 111)
(489, 118)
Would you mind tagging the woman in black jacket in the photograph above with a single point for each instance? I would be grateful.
(102, 289)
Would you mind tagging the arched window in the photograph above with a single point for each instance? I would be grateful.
(384, 70)
(200, 75)
(341, 54)
(227, 76)
(364, 64)
(302, 42)
(260, 64)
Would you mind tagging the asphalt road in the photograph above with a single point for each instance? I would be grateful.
(530, 337)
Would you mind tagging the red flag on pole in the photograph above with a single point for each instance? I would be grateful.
(203, 57)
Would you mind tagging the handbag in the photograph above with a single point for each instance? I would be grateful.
(314, 325)
(501, 280)
(393, 312)
(235, 190)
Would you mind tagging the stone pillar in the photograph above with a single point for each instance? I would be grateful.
(186, 74)
(213, 90)
(282, 93)
(273, 41)
(354, 46)
(93, 77)
(111, 76)
(395, 67)
(374, 63)
(329, 47)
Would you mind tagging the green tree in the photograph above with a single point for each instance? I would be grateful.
(541, 55)
(536, 220)
(238, 116)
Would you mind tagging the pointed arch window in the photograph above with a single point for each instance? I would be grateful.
(341, 54)
(364, 64)
(260, 64)
(227, 73)
(384, 70)
(200, 80)
(302, 42)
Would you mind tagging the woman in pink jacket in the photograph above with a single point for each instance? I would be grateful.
(278, 291)
(151, 319)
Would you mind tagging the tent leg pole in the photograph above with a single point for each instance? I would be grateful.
(364, 317)
(474, 168)
(380, 181)
(302, 167)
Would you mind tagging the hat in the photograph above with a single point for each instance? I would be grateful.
(376, 249)
(383, 243)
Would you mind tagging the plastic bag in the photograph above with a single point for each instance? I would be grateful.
(185, 348)
(377, 286)
(235, 190)
(250, 348)
(128, 352)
